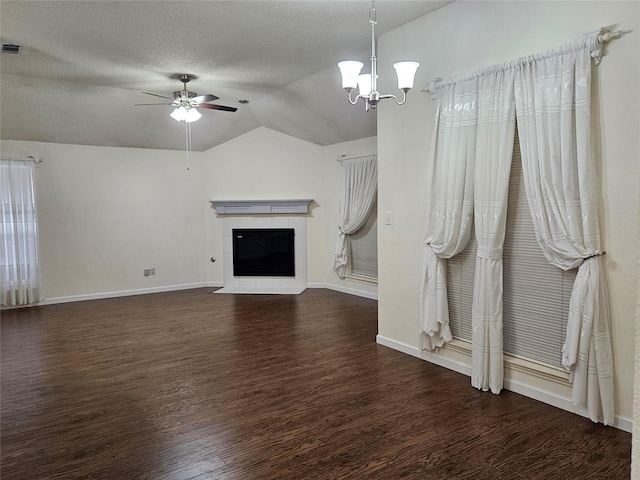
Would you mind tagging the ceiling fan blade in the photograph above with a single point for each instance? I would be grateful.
(213, 106)
(156, 95)
(205, 98)
(145, 104)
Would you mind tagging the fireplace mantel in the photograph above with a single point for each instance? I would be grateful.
(252, 207)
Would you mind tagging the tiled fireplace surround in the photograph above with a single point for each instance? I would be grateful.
(264, 214)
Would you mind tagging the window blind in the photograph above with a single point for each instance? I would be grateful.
(364, 247)
(536, 294)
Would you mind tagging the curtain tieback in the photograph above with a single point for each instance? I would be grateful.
(490, 253)
(597, 253)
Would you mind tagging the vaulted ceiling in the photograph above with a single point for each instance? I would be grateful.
(83, 65)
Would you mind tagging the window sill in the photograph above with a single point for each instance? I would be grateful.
(362, 279)
(529, 367)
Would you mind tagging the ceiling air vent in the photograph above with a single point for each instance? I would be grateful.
(10, 48)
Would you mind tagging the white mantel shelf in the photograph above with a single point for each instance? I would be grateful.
(252, 207)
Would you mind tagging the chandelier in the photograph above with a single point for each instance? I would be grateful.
(367, 84)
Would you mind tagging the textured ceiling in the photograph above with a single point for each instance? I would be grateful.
(83, 64)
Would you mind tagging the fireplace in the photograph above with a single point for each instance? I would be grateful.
(264, 215)
(263, 252)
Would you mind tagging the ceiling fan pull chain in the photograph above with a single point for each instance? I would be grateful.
(187, 132)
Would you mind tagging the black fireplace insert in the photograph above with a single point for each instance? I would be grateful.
(263, 252)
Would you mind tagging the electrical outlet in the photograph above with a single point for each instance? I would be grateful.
(149, 271)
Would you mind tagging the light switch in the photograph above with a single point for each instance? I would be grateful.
(387, 218)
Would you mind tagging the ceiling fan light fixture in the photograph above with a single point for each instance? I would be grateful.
(178, 113)
(192, 115)
(185, 113)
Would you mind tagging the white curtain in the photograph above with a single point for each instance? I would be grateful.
(360, 187)
(494, 151)
(553, 109)
(450, 209)
(19, 262)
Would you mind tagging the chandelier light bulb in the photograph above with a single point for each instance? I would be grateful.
(406, 72)
(364, 85)
(350, 70)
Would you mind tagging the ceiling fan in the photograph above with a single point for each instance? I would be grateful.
(185, 103)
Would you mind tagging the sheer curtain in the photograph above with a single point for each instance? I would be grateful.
(19, 262)
(494, 151)
(450, 209)
(359, 193)
(553, 104)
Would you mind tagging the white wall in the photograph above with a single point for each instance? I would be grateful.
(106, 214)
(462, 38)
(635, 458)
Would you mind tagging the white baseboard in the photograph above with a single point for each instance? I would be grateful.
(169, 288)
(126, 293)
(621, 423)
(423, 355)
(350, 291)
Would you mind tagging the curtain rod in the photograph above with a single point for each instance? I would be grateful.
(32, 158)
(595, 41)
(344, 158)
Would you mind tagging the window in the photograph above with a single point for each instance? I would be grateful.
(359, 195)
(19, 261)
(364, 250)
(536, 294)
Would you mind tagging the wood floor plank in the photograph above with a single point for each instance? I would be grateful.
(190, 385)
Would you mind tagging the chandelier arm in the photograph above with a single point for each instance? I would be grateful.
(404, 97)
(353, 101)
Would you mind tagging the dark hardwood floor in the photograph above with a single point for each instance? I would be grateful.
(190, 385)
